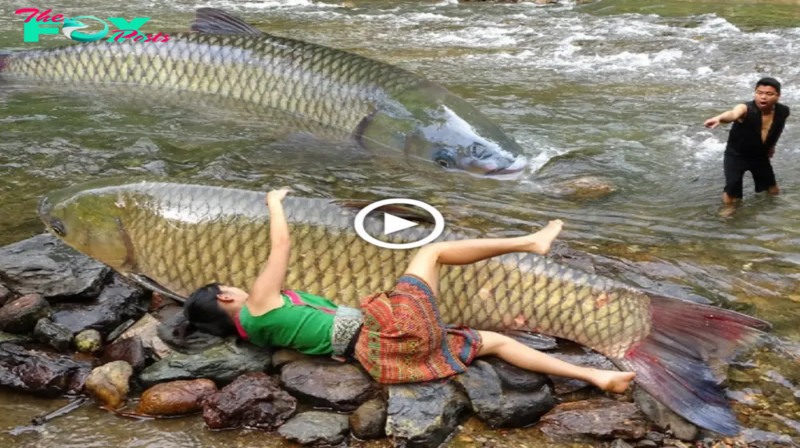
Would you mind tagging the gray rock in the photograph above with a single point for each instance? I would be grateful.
(646, 443)
(579, 355)
(146, 329)
(368, 422)
(222, 363)
(423, 415)
(499, 408)
(130, 350)
(619, 443)
(663, 417)
(52, 334)
(328, 383)
(316, 428)
(88, 341)
(40, 373)
(517, 378)
(752, 435)
(5, 295)
(45, 265)
(16, 338)
(21, 315)
(285, 355)
(599, 418)
(118, 302)
(253, 400)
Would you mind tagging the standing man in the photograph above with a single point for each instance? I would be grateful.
(757, 126)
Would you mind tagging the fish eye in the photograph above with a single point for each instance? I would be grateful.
(479, 151)
(58, 227)
(444, 158)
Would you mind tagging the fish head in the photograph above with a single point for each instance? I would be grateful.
(90, 220)
(439, 127)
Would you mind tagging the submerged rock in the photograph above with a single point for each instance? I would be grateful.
(21, 315)
(130, 350)
(146, 329)
(316, 428)
(663, 417)
(253, 400)
(89, 341)
(52, 334)
(588, 187)
(109, 384)
(118, 302)
(425, 414)
(499, 408)
(368, 422)
(47, 266)
(40, 373)
(176, 398)
(599, 418)
(328, 383)
(222, 364)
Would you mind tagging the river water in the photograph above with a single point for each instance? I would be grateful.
(612, 89)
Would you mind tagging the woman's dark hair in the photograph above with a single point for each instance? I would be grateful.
(204, 313)
(771, 82)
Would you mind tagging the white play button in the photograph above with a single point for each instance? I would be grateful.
(393, 224)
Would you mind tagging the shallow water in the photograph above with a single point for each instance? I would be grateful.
(616, 89)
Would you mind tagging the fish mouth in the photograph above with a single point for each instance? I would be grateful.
(515, 167)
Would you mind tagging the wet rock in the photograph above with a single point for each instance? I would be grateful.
(108, 385)
(146, 329)
(21, 315)
(284, 356)
(424, 414)
(130, 350)
(5, 295)
(89, 341)
(40, 373)
(118, 302)
(656, 437)
(222, 364)
(121, 328)
(253, 400)
(514, 377)
(16, 338)
(600, 418)
(645, 444)
(498, 408)
(52, 334)
(588, 187)
(368, 422)
(172, 331)
(45, 265)
(663, 417)
(176, 398)
(316, 428)
(328, 383)
(752, 436)
(579, 355)
(619, 443)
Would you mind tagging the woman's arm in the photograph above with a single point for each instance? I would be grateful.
(265, 294)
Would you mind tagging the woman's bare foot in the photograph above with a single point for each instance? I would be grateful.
(612, 380)
(540, 241)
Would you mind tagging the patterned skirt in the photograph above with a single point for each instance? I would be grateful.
(403, 339)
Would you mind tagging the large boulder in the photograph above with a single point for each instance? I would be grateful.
(253, 400)
(176, 397)
(316, 428)
(499, 408)
(368, 422)
(21, 315)
(328, 383)
(109, 384)
(40, 373)
(423, 415)
(45, 265)
(589, 420)
(516, 378)
(222, 364)
(118, 302)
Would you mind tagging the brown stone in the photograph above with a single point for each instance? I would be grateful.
(368, 422)
(130, 350)
(176, 397)
(253, 400)
(600, 418)
(108, 385)
(21, 315)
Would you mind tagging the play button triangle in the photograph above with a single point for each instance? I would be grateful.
(392, 224)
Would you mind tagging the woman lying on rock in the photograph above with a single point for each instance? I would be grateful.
(397, 335)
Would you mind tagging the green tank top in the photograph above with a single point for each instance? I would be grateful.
(304, 328)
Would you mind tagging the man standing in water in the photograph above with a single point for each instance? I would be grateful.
(757, 126)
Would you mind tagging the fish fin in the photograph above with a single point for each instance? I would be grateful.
(399, 210)
(217, 21)
(152, 285)
(672, 362)
(533, 340)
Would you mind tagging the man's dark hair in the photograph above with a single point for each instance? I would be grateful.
(772, 82)
(204, 313)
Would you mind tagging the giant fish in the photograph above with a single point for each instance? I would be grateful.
(377, 105)
(174, 238)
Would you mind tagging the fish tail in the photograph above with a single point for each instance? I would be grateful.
(672, 362)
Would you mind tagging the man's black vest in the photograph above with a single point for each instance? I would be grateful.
(744, 139)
